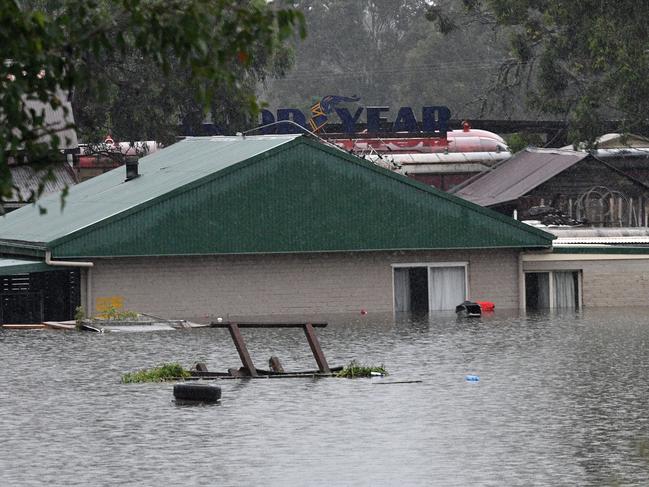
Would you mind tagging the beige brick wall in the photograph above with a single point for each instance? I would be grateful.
(297, 284)
(618, 282)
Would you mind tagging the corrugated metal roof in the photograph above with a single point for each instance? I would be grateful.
(599, 235)
(26, 180)
(601, 241)
(57, 120)
(265, 194)
(109, 194)
(519, 175)
(600, 249)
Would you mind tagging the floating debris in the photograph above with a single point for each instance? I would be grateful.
(194, 393)
(354, 370)
(164, 372)
(382, 383)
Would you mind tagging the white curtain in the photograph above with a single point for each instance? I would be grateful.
(401, 289)
(446, 287)
(564, 289)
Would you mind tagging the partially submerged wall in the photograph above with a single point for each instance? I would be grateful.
(285, 284)
(607, 280)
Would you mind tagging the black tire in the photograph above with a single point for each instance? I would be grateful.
(197, 392)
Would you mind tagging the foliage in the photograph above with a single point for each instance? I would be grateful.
(112, 313)
(79, 315)
(354, 370)
(585, 62)
(167, 371)
(136, 52)
(519, 141)
(388, 53)
(353, 48)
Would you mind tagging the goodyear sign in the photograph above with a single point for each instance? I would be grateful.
(434, 119)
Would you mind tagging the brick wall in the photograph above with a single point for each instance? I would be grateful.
(296, 284)
(619, 282)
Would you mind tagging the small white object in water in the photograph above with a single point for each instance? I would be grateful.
(376, 374)
(219, 319)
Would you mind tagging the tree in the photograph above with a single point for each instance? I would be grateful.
(585, 61)
(49, 49)
(455, 66)
(388, 53)
(353, 48)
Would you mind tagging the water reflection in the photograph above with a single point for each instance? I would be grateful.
(561, 400)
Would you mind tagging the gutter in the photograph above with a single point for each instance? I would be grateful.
(82, 265)
(65, 263)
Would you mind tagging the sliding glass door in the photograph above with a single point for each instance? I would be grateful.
(429, 287)
(552, 289)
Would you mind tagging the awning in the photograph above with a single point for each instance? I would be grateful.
(9, 267)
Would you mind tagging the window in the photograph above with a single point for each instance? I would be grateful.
(553, 289)
(429, 287)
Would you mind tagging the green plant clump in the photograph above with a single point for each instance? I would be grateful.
(169, 371)
(112, 313)
(354, 369)
(79, 314)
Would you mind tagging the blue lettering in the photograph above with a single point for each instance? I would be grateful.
(290, 114)
(435, 119)
(406, 121)
(349, 122)
(267, 117)
(374, 118)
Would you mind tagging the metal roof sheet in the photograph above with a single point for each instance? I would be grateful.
(519, 175)
(26, 180)
(599, 235)
(109, 194)
(10, 267)
(57, 119)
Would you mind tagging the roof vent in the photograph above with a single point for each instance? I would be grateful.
(131, 168)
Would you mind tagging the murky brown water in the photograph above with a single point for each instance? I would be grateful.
(562, 400)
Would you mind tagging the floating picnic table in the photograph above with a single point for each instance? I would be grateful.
(239, 343)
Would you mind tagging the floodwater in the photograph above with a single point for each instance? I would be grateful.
(561, 400)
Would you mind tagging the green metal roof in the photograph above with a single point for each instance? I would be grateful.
(10, 267)
(221, 195)
(109, 194)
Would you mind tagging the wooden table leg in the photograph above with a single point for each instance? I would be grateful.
(315, 348)
(237, 338)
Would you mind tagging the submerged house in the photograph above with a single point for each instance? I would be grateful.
(598, 213)
(575, 186)
(259, 226)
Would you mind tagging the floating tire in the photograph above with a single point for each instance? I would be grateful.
(197, 392)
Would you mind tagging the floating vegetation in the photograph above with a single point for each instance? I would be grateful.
(354, 369)
(169, 371)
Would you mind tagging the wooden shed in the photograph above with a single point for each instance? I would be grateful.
(573, 186)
